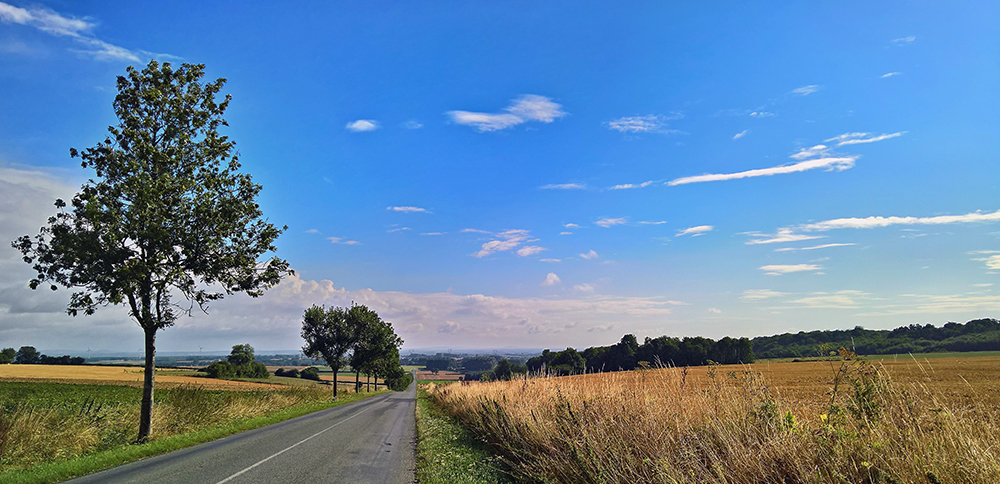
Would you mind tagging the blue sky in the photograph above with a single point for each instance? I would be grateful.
(491, 174)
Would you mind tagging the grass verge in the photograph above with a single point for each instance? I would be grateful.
(86, 464)
(449, 453)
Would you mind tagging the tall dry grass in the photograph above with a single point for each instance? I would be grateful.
(37, 431)
(657, 426)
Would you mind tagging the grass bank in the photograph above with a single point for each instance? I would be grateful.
(51, 432)
(449, 453)
(659, 426)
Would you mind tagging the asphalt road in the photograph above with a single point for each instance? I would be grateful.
(372, 440)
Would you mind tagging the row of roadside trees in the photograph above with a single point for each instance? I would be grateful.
(28, 355)
(358, 337)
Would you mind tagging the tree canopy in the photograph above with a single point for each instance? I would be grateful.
(168, 212)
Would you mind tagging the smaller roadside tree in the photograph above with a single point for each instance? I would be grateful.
(328, 335)
(27, 355)
(7, 355)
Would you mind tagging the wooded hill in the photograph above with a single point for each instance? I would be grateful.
(976, 335)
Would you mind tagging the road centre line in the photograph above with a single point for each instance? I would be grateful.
(286, 449)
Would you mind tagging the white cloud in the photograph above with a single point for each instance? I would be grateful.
(653, 123)
(695, 231)
(571, 226)
(432, 233)
(413, 124)
(992, 262)
(584, 288)
(362, 125)
(398, 229)
(714, 311)
(762, 114)
(523, 109)
(876, 222)
(760, 294)
(741, 134)
(608, 222)
(590, 255)
(312, 231)
(406, 209)
(627, 186)
(783, 235)
(475, 231)
(890, 74)
(824, 246)
(860, 138)
(650, 222)
(58, 25)
(341, 240)
(779, 269)
(838, 300)
(529, 250)
(830, 164)
(818, 150)
(551, 279)
(943, 304)
(563, 186)
(448, 327)
(904, 40)
(985, 284)
(565, 233)
(550, 260)
(806, 90)
(503, 241)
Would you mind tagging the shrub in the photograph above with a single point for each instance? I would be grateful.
(221, 369)
(290, 373)
(311, 373)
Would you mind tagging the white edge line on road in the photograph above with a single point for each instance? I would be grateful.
(290, 447)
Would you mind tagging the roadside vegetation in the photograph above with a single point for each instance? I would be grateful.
(732, 425)
(449, 453)
(52, 424)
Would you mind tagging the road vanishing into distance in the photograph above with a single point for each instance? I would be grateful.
(373, 440)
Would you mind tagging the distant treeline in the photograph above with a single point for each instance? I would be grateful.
(976, 335)
(28, 355)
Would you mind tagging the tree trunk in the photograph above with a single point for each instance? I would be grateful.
(357, 381)
(369, 387)
(146, 410)
(336, 371)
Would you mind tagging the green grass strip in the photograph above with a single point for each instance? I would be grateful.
(87, 464)
(449, 453)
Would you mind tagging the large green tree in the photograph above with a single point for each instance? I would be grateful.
(167, 213)
(328, 335)
(376, 350)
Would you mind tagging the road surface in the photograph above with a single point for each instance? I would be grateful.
(372, 440)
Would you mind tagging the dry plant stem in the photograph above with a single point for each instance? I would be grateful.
(659, 426)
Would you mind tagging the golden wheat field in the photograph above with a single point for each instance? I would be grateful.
(118, 375)
(847, 422)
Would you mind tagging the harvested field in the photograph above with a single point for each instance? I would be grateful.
(441, 375)
(119, 375)
(888, 421)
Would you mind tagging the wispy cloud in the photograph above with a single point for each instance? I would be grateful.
(859, 138)
(58, 25)
(783, 235)
(550, 260)
(398, 229)
(890, 74)
(475, 231)
(406, 209)
(847, 299)
(830, 164)
(779, 269)
(432, 233)
(522, 110)
(904, 40)
(715, 310)
(584, 288)
(342, 240)
(571, 226)
(412, 124)
(529, 250)
(741, 134)
(760, 294)
(762, 114)
(362, 125)
(312, 231)
(551, 279)
(806, 90)
(504, 241)
(608, 222)
(627, 186)
(563, 186)
(992, 261)
(824, 246)
(652, 222)
(818, 150)
(652, 123)
(590, 255)
(875, 222)
(695, 231)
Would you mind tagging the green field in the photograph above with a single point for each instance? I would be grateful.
(939, 354)
(53, 431)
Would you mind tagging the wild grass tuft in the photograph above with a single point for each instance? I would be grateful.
(659, 426)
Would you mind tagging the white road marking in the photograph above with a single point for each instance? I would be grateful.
(290, 447)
